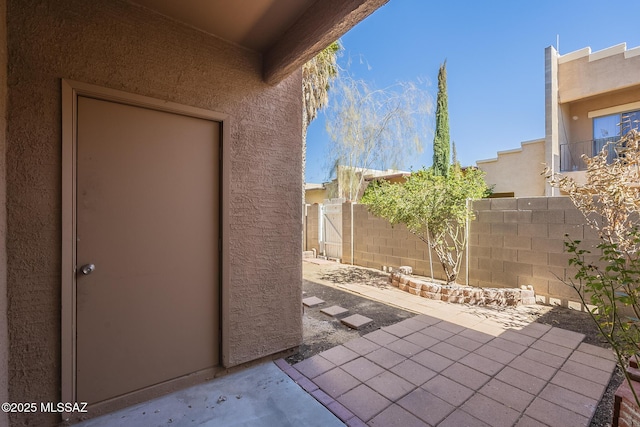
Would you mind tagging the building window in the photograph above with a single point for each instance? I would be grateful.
(610, 128)
(615, 125)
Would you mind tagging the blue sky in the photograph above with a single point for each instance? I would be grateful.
(495, 63)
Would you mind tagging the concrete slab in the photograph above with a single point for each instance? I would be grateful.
(334, 311)
(312, 301)
(262, 395)
(356, 321)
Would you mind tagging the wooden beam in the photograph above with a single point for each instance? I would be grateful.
(322, 24)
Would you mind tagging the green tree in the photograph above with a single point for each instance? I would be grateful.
(317, 75)
(441, 140)
(433, 207)
(374, 128)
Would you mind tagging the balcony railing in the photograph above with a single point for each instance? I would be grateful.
(571, 153)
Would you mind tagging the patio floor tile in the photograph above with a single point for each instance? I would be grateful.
(570, 400)
(340, 411)
(336, 382)
(551, 348)
(449, 351)
(535, 330)
(532, 367)
(385, 357)
(334, 310)
(451, 327)
(390, 385)
(478, 336)
(426, 319)
(356, 321)
(362, 369)
(448, 390)
(412, 323)
(413, 372)
(464, 343)
(496, 354)
(579, 385)
(312, 301)
(522, 380)
(418, 338)
(543, 357)
(361, 346)
(398, 330)
(517, 337)
(314, 366)
(405, 348)
(526, 421)
(586, 372)
(322, 397)
(597, 351)
(482, 364)
(563, 337)
(432, 360)
(465, 375)
(426, 406)
(554, 415)
(364, 402)
(508, 395)
(506, 345)
(381, 337)
(490, 411)
(395, 416)
(593, 361)
(356, 422)
(339, 355)
(437, 333)
(460, 418)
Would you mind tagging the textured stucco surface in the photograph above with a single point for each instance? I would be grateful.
(518, 171)
(122, 46)
(582, 78)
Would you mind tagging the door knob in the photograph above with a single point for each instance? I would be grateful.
(87, 269)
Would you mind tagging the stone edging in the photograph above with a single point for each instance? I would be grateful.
(402, 279)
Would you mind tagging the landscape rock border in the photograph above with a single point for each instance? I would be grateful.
(460, 294)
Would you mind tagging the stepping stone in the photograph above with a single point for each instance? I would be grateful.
(334, 310)
(312, 301)
(356, 321)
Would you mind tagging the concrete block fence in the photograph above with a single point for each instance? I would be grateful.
(512, 242)
(520, 241)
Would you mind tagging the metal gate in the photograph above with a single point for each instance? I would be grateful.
(331, 229)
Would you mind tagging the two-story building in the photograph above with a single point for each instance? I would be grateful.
(591, 98)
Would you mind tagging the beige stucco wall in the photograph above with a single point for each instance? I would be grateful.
(118, 45)
(316, 195)
(581, 126)
(587, 76)
(518, 171)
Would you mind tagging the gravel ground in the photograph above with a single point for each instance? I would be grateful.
(322, 332)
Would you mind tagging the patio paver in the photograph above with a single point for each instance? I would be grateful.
(454, 365)
(312, 302)
(435, 374)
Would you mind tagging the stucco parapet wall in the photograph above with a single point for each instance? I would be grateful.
(512, 151)
(461, 294)
(600, 54)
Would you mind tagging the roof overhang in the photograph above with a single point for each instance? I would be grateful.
(286, 32)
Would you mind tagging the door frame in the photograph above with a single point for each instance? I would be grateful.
(70, 92)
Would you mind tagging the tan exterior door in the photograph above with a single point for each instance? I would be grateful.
(148, 220)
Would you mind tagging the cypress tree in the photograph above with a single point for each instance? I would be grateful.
(442, 141)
